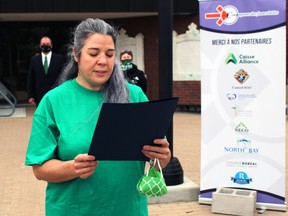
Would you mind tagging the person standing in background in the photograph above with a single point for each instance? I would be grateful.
(132, 73)
(43, 71)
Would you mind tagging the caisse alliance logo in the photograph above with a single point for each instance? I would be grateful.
(229, 14)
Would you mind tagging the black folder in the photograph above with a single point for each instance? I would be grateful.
(123, 129)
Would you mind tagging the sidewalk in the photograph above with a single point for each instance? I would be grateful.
(22, 195)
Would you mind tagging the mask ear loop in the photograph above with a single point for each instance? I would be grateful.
(153, 164)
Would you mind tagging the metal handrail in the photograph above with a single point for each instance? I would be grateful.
(7, 96)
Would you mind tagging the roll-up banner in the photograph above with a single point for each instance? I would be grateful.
(243, 70)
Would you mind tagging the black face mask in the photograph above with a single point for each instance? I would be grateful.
(45, 48)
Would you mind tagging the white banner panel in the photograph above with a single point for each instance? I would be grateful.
(243, 66)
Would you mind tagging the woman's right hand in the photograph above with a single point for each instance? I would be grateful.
(54, 170)
(84, 165)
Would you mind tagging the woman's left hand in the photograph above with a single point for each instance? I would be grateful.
(161, 151)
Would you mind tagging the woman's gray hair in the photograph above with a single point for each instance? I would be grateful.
(115, 90)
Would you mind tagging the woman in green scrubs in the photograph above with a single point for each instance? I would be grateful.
(63, 126)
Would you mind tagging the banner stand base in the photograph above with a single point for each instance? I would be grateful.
(259, 206)
(269, 206)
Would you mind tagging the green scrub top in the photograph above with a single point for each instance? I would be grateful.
(63, 126)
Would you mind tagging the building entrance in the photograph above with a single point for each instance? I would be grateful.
(19, 41)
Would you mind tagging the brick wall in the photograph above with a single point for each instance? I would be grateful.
(189, 92)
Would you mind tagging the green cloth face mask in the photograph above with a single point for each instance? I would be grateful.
(152, 184)
(126, 65)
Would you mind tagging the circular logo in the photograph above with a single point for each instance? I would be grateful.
(232, 15)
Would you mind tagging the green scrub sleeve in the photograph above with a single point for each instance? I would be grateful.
(43, 138)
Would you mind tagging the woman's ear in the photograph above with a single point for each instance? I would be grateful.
(74, 55)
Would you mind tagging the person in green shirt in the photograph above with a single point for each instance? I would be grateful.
(63, 126)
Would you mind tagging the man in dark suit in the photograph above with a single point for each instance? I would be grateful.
(43, 71)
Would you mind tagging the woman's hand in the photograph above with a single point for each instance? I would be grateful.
(84, 165)
(54, 170)
(161, 151)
